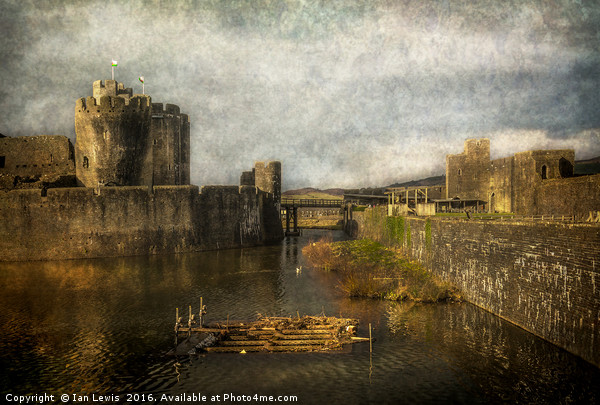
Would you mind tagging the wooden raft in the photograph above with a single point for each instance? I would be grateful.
(267, 334)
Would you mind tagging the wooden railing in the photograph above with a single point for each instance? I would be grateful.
(310, 202)
(492, 217)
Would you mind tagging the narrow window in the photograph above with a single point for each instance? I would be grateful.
(2, 161)
(460, 172)
(51, 158)
(544, 172)
(86, 162)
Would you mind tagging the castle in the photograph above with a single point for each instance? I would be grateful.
(124, 187)
(537, 182)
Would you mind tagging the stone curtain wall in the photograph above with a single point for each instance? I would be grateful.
(576, 196)
(121, 221)
(544, 277)
(36, 162)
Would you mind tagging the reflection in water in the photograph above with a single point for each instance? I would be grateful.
(505, 361)
(104, 326)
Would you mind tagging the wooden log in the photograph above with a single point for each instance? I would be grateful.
(360, 339)
(183, 329)
(235, 349)
(303, 336)
(305, 331)
(311, 342)
(242, 343)
(240, 337)
(294, 348)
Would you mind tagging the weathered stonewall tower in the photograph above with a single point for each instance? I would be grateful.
(113, 137)
(468, 173)
(266, 177)
(170, 131)
(125, 140)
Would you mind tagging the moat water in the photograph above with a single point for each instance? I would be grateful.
(104, 327)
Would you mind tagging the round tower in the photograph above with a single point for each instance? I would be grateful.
(171, 145)
(268, 178)
(113, 131)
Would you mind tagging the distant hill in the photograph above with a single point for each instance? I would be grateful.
(588, 166)
(429, 181)
(310, 192)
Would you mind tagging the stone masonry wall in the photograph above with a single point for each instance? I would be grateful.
(36, 161)
(170, 134)
(500, 194)
(113, 141)
(122, 221)
(571, 196)
(527, 177)
(543, 277)
(467, 173)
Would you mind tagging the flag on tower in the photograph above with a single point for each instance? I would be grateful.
(142, 79)
(114, 62)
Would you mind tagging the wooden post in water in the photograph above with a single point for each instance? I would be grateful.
(370, 340)
(176, 325)
(201, 312)
(190, 322)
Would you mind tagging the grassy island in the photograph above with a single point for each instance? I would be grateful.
(369, 269)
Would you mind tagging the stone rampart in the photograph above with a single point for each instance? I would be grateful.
(543, 277)
(577, 196)
(40, 161)
(81, 222)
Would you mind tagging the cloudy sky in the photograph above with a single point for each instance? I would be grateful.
(346, 93)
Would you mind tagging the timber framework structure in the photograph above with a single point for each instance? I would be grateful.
(266, 334)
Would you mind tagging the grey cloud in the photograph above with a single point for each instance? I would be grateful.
(345, 93)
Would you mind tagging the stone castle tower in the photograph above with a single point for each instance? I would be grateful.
(126, 140)
(266, 177)
(468, 173)
(170, 131)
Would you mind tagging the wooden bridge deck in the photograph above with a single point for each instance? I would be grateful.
(310, 202)
(289, 208)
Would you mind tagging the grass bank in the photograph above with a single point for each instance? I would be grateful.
(369, 269)
(325, 222)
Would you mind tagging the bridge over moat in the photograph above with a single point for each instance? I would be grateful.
(289, 208)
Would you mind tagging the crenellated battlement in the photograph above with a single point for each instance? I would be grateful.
(111, 88)
(159, 108)
(478, 145)
(106, 104)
